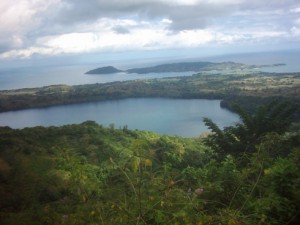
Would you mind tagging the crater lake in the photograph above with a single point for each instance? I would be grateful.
(182, 117)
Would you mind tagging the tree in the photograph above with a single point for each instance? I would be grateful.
(276, 117)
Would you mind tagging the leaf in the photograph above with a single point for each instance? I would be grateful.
(148, 162)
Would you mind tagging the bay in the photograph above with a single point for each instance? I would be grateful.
(29, 77)
(181, 117)
(16, 77)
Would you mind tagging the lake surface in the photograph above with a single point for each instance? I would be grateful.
(181, 117)
(166, 116)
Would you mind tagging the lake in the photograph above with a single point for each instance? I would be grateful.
(165, 116)
(181, 117)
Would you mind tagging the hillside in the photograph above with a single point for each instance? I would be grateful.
(246, 88)
(181, 67)
(88, 174)
(104, 70)
(188, 66)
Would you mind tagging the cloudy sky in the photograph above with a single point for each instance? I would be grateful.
(56, 28)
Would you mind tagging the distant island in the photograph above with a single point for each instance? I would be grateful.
(104, 70)
(181, 67)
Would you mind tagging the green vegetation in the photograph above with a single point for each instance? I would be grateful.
(104, 70)
(88, 174)
(245, 88)
(181, 67)
(244, 137)
(191, 66)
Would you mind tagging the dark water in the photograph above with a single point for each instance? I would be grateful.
(161, 115)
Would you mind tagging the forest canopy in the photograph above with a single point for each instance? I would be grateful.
(89, 174)
(245, 88)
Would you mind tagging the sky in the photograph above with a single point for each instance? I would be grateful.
(57, 29)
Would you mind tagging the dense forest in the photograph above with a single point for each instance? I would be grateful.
(246, 88)
(247, 173)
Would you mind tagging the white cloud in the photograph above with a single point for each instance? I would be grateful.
(229, 38)
(194, 2)
(29, 27)
(194, 38)
(181, 2)
(19, 17)
(140, 38)
(295, 31)
(295, 10)
(297, 21)
(71, 43)
(267, 34)
(28, 52)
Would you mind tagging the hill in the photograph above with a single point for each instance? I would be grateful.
(104, 70)
(182, 67)
(88, 174)
(188, 66)
(246, 88)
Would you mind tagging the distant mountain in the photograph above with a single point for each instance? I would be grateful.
(104, 70)
(181, 67)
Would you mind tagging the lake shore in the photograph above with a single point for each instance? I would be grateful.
(240, 87)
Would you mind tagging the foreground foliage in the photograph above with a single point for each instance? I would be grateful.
(88, 174)
(275, 117)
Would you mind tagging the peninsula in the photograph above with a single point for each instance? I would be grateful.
(246, 88)
(182, 67)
